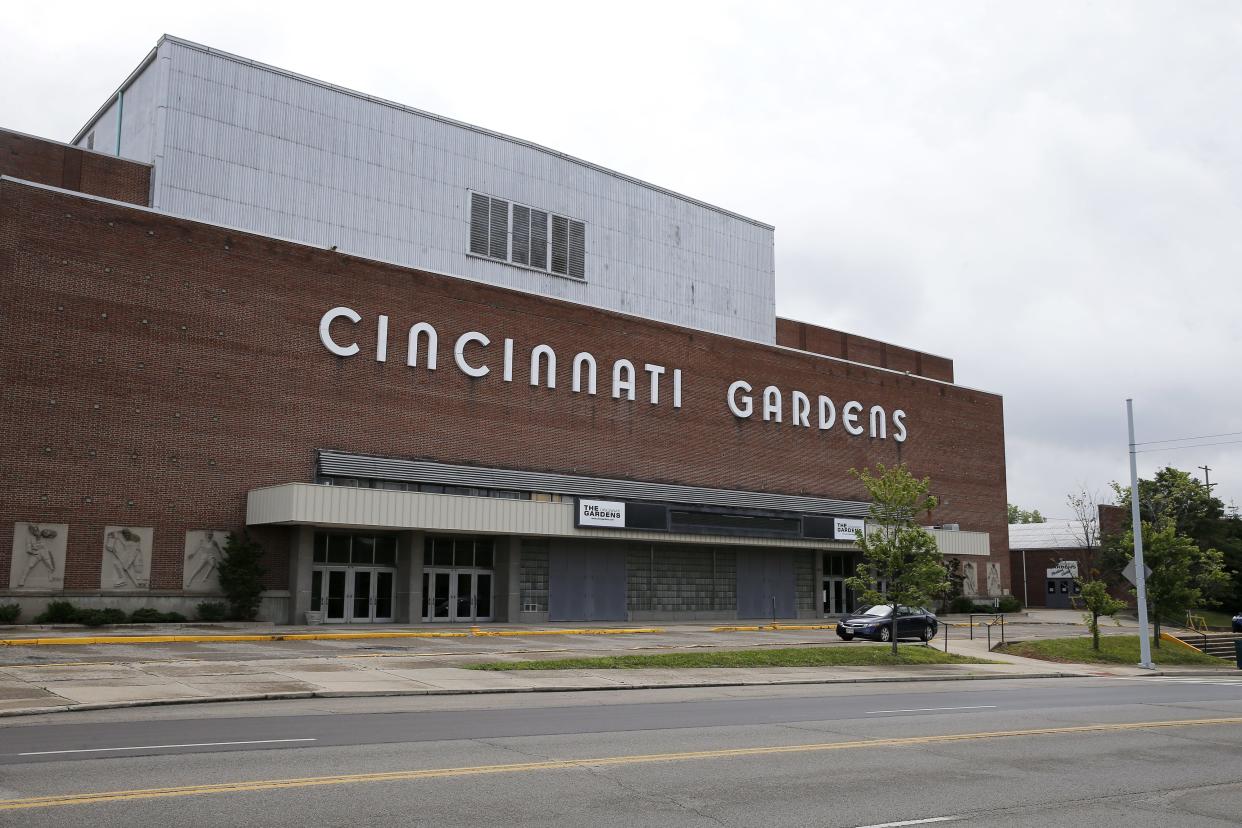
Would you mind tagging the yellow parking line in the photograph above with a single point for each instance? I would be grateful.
(568, 764)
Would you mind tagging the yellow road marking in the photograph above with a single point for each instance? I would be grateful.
(567, 764)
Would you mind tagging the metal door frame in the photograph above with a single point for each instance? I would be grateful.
(348, 615)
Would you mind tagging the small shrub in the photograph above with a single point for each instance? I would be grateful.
(146, 615)
(1010, 604)
(100, 617)
(58, 612)
(962, 604)
(9, 613)
(212, 611)
(173, 618)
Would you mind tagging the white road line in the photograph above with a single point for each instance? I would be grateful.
(911, 822)
(924, 710)
(158, 747)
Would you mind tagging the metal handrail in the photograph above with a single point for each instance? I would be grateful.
(998, 618)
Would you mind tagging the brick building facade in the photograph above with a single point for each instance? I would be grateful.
(168, 380)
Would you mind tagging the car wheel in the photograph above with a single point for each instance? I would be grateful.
(886, 633)
(846, 636)
(928, 633)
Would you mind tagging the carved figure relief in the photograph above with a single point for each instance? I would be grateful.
(994, 580)
(38, 561)
(203, 552)
(126, 558)
(970, 579)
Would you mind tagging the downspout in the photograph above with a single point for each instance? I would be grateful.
(120, 114)
(1026, 599)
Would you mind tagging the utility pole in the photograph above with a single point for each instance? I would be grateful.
(1207, 481)
(1140, 570)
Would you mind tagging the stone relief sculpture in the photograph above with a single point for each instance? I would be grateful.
(38, 562)
(970, 579)
(126, 558)
(203, 551)
(994, 580)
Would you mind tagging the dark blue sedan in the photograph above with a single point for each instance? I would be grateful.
(876, 623)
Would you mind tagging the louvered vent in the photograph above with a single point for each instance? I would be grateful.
(498, 235)
(478, 223)
(526, 236)
(577, 249)
(560, 245)
(521, 234)
(539, 239)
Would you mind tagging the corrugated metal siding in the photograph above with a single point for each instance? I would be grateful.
(952, 544)
(341, 464)
(261, 150)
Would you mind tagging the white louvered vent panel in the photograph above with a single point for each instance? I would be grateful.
(521, 234)
(539, 239)
(478, 223)
(498, 235)
(560, 245)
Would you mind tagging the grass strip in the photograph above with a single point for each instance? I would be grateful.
(1114, 649)
(858, 655)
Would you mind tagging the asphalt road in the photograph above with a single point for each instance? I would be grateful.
(1087, 752)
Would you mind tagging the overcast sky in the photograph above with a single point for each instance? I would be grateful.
(1049, 193)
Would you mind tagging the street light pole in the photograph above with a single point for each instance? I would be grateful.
(1140, 571)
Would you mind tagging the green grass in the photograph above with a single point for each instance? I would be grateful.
(1114, 649)
(851, 656)
(1214, 618)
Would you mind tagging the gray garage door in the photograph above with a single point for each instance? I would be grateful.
(762, 575)
(586, 584)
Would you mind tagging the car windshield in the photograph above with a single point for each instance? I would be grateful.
(878, 611)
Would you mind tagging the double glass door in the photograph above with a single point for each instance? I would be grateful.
(353, 594)
(457, 595)
(838, 599)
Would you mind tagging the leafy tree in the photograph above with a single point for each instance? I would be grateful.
(241, 574)
(1017, 515)
(1183, 576)
(1174, 495)
(1098, 602)
(895, 549)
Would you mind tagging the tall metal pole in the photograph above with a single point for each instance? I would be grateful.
(1140, 571)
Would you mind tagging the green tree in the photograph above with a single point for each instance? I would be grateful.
(895, 549)
(1017, 515)
(1175, 496)
(241, 574)
(1098, 602)
(1183, 576)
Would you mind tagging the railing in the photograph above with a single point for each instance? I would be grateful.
(997, 619)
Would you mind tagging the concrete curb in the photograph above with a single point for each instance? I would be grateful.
(490, 691)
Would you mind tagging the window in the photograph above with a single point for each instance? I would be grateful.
(90, 141)
(528, 237)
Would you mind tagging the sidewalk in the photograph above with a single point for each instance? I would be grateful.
(27, 689)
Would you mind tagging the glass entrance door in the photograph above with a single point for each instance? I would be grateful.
(347, 595)
(334, 608)
(838, 598)
(459, 595)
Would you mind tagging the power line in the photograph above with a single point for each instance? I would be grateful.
(1179, 448)
(1183, 439)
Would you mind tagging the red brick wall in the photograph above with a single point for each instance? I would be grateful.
(155, 370)
(59, 165)
(817, 340)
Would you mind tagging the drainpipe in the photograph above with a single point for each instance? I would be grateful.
(120, 114)
(1026, 599)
